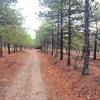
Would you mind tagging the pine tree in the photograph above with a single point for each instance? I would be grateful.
(86, 38)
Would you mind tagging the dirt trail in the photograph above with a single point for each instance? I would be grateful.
(37, 81)
(27, 83)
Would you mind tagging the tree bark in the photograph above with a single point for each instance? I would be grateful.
(61, 34)
(14, 48)
(83, 51)
(85, 70)
(52, 42)
(69, 36)
(57, 37)
(95, 43)
(1, 50)
(8, 45)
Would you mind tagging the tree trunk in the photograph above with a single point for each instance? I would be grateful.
(1, 51)
(8, 45)
(14, 48)
(57, 37)
(47, 47)
(41, 48)
(69, 37)
(52, 41)
(61, 34)
(83, 51)
(95, 43)
(86, 36)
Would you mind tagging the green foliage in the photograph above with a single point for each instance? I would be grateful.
(7, 1)
(42, 32)
(77, 16)
(11, 30)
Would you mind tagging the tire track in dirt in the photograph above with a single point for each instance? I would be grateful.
(37, 81)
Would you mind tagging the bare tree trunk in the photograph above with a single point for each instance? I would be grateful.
(41, 48)
(95, 43)
(8, 45)
(61, 34)
(52, 41)
(57, 37)
(86, 53)
(1, 51)
(14, 48)
(83, 51)
(69, 36)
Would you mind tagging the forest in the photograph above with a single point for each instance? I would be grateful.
(50, 50)
(12, 34)
(70, 26)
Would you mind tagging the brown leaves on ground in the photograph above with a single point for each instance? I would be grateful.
(65, 83)
(9, 65)
(62, 82)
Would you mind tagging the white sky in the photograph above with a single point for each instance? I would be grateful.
(29, 10)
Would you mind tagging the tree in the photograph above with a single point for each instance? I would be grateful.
(1, 52)
(86, 37)
(96, 16)
(52, 40)
(7, 2)
(11, 31)
(43, 31)
(57, 38)
(95, 43)
(68, 17)
(69, 33)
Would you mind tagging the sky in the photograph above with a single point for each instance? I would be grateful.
(29, 9)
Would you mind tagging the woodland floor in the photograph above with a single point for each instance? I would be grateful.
(34, 75)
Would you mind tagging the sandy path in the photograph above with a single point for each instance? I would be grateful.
(27, 83)
(37, 81)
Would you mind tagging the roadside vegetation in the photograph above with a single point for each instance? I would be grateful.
(70, 26)
(12, 34)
